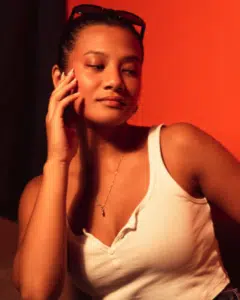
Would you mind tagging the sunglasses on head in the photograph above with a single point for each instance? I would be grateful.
(125, 16)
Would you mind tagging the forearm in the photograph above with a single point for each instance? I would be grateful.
(42, 250)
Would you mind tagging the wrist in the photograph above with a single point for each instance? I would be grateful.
(55, 164)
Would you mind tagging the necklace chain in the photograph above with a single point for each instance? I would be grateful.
(102, 206)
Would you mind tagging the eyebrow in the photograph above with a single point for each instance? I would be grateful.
(132, 58)
(128, 58)
(94, 52)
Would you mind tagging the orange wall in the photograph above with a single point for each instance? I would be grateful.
(192, 64)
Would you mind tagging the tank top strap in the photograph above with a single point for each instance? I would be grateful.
(154, 148)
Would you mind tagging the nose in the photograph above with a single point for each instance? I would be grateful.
(114, 81)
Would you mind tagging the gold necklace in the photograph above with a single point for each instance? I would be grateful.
(102, 206)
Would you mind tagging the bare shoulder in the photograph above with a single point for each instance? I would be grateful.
(179, 144)
(191, 142)
(183, 138)
(192, 154)
(198, 144)
(33, 184)
(184, 134)
(26, 204)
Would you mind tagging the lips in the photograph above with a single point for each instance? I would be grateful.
(113, 99)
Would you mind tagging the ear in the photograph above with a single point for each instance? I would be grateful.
(56, 75)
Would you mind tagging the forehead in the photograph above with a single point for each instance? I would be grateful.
(113, 40)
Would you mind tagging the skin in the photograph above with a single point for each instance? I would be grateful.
(102, 69)
(206, 167)
(109, 65)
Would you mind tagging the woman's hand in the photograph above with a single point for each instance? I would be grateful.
(62, 140)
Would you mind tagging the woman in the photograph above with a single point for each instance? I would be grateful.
(129, 204)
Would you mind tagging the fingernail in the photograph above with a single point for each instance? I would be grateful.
(70, 72)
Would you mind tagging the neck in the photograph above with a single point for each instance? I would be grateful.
(103, 144)
(109, 140)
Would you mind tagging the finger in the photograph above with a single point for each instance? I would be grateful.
(62, 105)
(61, 94)
(62, 76)
(65, 102)
(66, 89)
(58, 94)
(65, 79)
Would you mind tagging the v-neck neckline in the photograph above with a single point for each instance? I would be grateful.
(132, 221)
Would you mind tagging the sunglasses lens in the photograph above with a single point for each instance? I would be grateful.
(136, 21)
(131, 18)
(87, 9)
(92, 10)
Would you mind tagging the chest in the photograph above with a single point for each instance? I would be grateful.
(167, 239)
(119, 195)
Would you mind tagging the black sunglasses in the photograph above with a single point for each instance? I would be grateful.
(85, 9)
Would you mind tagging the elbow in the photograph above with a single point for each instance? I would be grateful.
(27, 295)
(41, 293)
(35, 289)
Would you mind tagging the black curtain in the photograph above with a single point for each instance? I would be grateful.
(30, 32)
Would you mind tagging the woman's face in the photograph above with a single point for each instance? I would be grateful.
(107, 61)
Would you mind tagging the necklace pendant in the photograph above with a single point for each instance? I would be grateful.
(110, 189)
(103, 211)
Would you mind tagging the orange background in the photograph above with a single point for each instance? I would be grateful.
(192, 64)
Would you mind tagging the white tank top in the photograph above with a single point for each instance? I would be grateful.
(166, 251)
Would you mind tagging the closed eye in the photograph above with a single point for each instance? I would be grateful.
(97, 67)
(130, 72)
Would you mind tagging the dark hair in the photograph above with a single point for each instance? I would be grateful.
(73, 27)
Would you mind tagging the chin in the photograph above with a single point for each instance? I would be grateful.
(108, 120)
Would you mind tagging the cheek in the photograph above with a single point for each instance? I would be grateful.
(134, 88)
(87, 85)
(133, 84)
